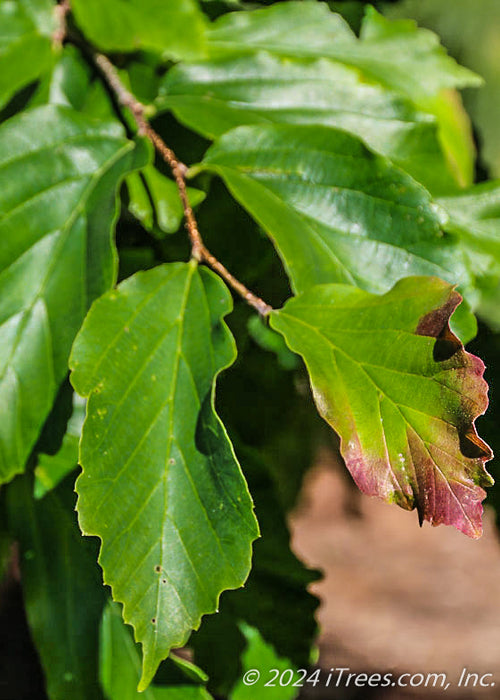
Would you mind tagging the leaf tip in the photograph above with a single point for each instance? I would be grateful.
(149, 668)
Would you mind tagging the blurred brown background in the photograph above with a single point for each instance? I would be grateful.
(397, 597)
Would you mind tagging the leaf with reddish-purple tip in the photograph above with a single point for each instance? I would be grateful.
(398, 387)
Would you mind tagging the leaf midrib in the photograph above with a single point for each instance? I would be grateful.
(189, 278)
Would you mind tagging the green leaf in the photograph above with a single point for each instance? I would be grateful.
(160, 484)
(437, 73)
(175, 29)
(474, 215)
(217, 648)
(489, 308)
(335, 211)
(59, 172)
(274, 399)
(470, 32)
(276, 599)
(25, 45)
(54, 428)
(52, 469)
(300, 29)
(120, 667)
(41, 14)
(143, 73)
(291, 28)
(269, 340)
(404, 109)
(401, 392)
(382, 39)
(214, 96)
(67, 83)
(62, 588)
(261, 656)
(455, 138)
(155, 201)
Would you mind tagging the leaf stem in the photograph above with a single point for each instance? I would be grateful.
(198, 249)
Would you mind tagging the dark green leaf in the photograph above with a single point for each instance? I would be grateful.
(275, 599)
(269, 340)
(25, 45)
(161, 485)
(277, 418)
(155, 201)
(120, 666)
(67, 83)
(52, 469)
(134, 259)
(175, 29)
(54, 428)
(63, 592)
(261, 656)
(474, 215)
(57, 206)
(399, 389)
(217, 647)
(143, 72)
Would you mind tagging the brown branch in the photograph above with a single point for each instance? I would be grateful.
(198, 249)
(61, 12)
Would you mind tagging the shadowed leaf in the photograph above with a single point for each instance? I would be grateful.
(52, 468)
(62, 587)
(275, 599)
(260, 655)
(120, 667)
